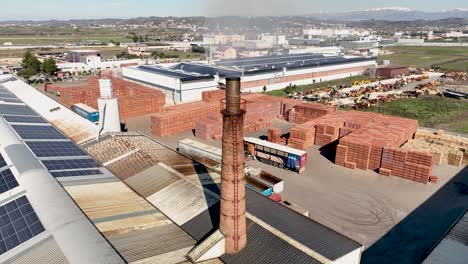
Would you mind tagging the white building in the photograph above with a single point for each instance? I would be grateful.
(178, 85)
(222, 39)
(275, 40)
(185, 82)
(331, 50)
(96, 63)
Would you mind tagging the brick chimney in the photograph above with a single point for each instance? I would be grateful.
(233, 219)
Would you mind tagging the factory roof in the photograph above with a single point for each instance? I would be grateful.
(127, 214)
(184, 76)
(453, 247)
(265, 64)
(187, 192)
(44, 170)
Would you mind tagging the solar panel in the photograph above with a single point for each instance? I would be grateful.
(16, 110)
(7, 181)
(18, 224)
(2, 162)
(10, 100)
(45, 149)
(70, 164)
(76, 173)
(25, 119)
(38, 132)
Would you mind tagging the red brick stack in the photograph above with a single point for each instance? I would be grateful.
(305, 112)
(213, 96)
(411, 165)
(328, 128)
(274, 135)
(205, 117)
(134, 99)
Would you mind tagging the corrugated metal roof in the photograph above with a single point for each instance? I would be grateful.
(453, 248)
(152, 180)
(459, 232)
(264, 247)
(314, 235)
(153, 242)
(46, 251)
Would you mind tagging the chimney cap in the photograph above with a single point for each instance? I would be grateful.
(233, 78)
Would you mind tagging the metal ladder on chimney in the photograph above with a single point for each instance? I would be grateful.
(235, 160)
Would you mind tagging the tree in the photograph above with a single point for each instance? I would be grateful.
(264, 88)
(198, 49)
(31, 65)
(135, 38)
(141, 39)
(49, 66)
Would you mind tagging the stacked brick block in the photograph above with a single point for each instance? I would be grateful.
(274, 135)
(305, 112)
(444, 148)
(411, 165)
(134, 100)
(328, 128)
(205, 117)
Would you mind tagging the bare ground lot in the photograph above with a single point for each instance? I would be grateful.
(397, 221)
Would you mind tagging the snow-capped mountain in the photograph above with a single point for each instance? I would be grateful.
(395, 14)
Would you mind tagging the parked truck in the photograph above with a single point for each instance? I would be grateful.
(86, 112)
(276, 154)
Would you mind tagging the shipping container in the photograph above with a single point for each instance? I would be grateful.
(278, 155)
(257, 186)
(86, 112)
(277, 184)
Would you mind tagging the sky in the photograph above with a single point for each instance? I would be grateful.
(83, 9)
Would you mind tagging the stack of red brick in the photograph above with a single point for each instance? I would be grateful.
(205, 116)
(213, 96)
(134, 99)
(274, 135)
(376, 147)
(411, 165)
(305, 112)
(328, 128)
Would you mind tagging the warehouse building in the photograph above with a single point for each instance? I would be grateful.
(177, 85)
(391, 71)
(270, 72)
(72, 198)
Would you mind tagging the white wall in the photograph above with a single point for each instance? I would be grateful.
(353, 257)
(170, 86)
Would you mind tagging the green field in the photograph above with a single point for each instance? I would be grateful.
(301, 88)
(107, 52)
(431, 111)
(447, 58)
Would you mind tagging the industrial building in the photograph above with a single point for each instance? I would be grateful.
(76, 198)
(271, 72)
(177, 85)
(392, 71)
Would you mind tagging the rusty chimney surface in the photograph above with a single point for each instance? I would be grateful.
(233, 218)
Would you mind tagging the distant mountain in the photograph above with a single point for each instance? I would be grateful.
(394, 14)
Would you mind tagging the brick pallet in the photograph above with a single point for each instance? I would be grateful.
(274, 135)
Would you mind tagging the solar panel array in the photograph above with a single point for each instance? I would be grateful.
(76, 173)
(18, 224)
(44, 149)
(183, 76)
(38, 132)
(25, 119)
(70, 164)
(60, 156)
(7, 181)
(16, 110)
